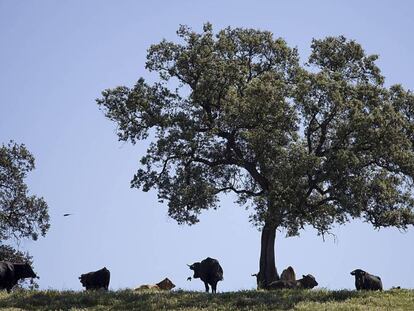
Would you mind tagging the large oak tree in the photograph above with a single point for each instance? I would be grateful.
(316, 144)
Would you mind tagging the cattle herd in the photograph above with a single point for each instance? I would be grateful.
(208, 270)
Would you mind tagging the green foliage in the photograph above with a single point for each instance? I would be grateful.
(182, 300)
(21, 215)
(316, 145)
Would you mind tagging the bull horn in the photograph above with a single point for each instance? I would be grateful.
(188, 265)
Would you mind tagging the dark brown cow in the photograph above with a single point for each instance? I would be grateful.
(366, 281)
(96, 279)
(209, 271)
(306, 282)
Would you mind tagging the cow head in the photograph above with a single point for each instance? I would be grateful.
(309, 281)
(83, 280)
(25, 271)
(358, 273)
(166, 284)
(359, 278)
(196, 268)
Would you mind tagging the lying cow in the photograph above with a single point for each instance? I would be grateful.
(96, 279)
(11, 273)
(306, 282)
(165, 284)
(366, 281)
(288, 274)
(209, 271)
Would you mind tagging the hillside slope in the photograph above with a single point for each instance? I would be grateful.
(183, 300)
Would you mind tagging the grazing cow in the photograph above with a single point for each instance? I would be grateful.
(11, 273)
(96, 279)
(165, 284)
(366, 281)
(288, 274)
(306, 282)
(209, 271)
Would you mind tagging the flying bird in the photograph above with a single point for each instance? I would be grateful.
(64, 215)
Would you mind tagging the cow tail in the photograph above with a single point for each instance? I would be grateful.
(221, 274)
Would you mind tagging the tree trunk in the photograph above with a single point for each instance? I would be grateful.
(268, 272)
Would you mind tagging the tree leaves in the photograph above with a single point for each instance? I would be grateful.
(21, 215)
(302, 145)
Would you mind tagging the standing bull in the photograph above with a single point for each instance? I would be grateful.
(11, 273)
(209, 271)
(96, 279)
(364, 280)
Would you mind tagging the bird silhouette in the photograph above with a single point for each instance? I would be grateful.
(64, 215)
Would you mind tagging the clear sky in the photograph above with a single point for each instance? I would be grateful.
(55, 59)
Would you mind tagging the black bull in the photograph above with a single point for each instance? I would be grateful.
(209, 271)
(366, 281)
(11, 273)
(96, 279)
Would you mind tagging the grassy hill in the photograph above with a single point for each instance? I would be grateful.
(317, 300)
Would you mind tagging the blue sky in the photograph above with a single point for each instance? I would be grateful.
(55, 59)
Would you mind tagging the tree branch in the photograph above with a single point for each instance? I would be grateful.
(165, 165)
(239, 191)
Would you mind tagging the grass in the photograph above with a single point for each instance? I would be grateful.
(318, 300)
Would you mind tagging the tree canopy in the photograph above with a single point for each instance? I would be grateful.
(21, 215)
(302, 144)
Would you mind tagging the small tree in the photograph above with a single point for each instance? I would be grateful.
(21, 215)
(315, 145)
